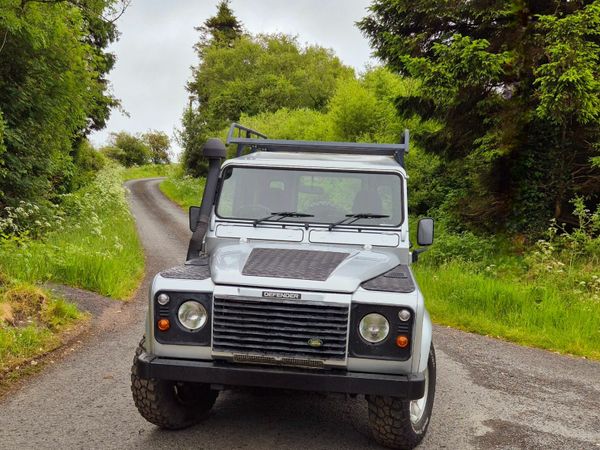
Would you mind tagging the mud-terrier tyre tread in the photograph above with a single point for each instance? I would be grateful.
(390, 417)
(168, 404)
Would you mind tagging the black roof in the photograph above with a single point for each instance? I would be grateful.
(243, 137)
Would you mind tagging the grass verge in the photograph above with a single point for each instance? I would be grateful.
(92, 242)
(32, 323)
(536, 313)
(88, 240)
(147, 171)
(183, 190)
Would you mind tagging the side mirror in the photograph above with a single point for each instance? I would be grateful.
(194, 214)
(425, 231)
(424, 237)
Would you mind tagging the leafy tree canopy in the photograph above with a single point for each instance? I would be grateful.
(127, 149)
(159, 145)
(240, 74)
(516, 88)
(258, 74)
(53, 90)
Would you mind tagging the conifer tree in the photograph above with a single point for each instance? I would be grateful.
(516, 87)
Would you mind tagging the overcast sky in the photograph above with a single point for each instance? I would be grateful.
(154, 53)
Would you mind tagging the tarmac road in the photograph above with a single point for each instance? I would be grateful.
(490, 394)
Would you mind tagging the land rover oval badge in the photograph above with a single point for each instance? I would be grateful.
(315, 342)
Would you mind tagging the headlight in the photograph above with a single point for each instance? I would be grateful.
(374, 328)
(192, 315)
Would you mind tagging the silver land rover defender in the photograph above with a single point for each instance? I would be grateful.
(297, 277)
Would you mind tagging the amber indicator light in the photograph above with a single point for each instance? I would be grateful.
(402, 341)
(163, 324)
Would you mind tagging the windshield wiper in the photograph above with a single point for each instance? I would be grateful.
(351, 218)
(282, 215)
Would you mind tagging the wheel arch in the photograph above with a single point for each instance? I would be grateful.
(426, 338)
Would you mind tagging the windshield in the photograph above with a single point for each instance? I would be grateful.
(326, 196)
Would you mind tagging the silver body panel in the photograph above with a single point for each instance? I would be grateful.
(371, 253)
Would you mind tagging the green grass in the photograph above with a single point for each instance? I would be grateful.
(109, 262)
(148, 171)
(95, 245)
(89, 241)
(34, 326)
(530, 312)
(185, 191)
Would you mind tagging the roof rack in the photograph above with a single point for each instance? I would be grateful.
(242, 137)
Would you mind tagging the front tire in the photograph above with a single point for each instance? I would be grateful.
(171, 405)
(402, 424)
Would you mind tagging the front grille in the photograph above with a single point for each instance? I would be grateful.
(278, 361)
(280, 328)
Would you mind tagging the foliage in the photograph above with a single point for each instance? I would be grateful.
(563, 248)
(223, 29)
(464, 247)
(263, 73)
(152, 147)
(569, 85)
(515, 88)
(127, 149)
(88, 161)
(149, 171)
(548, 295)
(89, 241)
(364, 110)
(30, 322)
(241, 74)
(184, 190)
(159, 145)
(538, 313)
(53, 90)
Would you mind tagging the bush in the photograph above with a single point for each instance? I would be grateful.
(465, 247)
(127, 149)
(184, 190)
(90, 242)
(88, 161)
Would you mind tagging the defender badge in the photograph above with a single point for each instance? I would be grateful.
(284, 295)
(315, 342)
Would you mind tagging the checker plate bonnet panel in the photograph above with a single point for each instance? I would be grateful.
(291, 263)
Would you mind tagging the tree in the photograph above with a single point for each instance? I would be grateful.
(258, 74)
(515, 88)
(53, 91)
(159, 145)
(127, 149)
(222, 30)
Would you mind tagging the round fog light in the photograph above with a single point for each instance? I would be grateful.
(374, 328)
(404, 315)
(163, 299)
(192, 315)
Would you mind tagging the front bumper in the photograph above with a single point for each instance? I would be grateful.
(410, 386)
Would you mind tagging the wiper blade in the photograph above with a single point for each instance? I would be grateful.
(351, 218)
(282, 215)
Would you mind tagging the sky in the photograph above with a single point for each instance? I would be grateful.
(154, 52)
